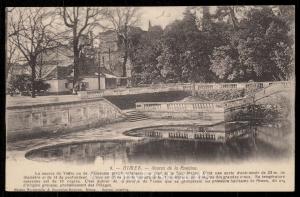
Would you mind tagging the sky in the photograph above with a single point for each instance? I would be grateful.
(165, 15)
(160, 15)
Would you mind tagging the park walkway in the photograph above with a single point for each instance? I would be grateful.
(27, 101)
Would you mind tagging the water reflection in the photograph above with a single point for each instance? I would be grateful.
(184, 144)
(221, 132)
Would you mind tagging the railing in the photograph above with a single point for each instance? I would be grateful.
(204, 86)
(179, 87)
(180, 106)
(271, 89)
(193, 106)
(213, 86)
(122, 91)
(229, 86)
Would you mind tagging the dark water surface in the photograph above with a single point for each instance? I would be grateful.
(226, 142)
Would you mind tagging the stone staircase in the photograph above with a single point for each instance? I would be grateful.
(134, 116)
(270, 90)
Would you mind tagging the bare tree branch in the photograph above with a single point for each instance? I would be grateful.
(78, 20)
(121, 20)
(33, 36)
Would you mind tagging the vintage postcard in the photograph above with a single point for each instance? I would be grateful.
(185, 98)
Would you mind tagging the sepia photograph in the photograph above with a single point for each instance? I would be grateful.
(168, 98)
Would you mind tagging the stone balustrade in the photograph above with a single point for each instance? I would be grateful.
(272, 88)
(178, 87)
(193, 106)
(222, 111)
(180, 106)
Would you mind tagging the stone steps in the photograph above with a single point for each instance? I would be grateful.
(133, 116)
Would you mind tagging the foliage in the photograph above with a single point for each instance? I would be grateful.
(146, 47)
(235, 44)
(22, 84)
(219, 95)
(260, 49)
(184, 56)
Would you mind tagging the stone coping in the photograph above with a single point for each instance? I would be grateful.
(54, 103)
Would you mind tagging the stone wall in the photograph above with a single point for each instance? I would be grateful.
(60, 117)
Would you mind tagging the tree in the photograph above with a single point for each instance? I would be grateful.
(122, 20)
(33, 35)
(11, 56)
(231, 14)
(79, 19)
(260, 49)
(146, 47)
(224, 65)
(184, 56)
(287, 14)
(267, 39)
(12, 53)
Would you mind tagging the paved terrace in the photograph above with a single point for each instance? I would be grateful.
(28, 101)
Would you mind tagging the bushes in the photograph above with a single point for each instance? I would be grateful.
(19, 83)
(22, 84)
(219, 95)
